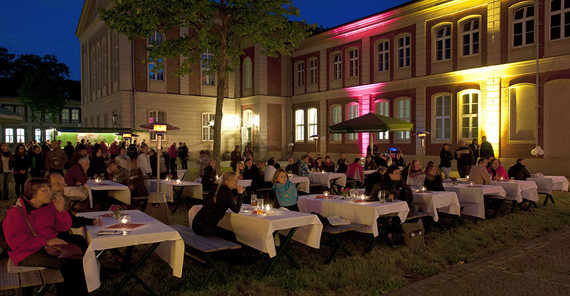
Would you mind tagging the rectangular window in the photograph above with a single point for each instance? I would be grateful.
(471, 37)
(155, 74)
(336, 118)
(49, 135)
(9, 135)
(353, 62)
(65, 115)
(403, 112)
(313, 71)
(313, 119)
(20, 135)
(22, 111)
(75, 114)
(300, 74)
(352, 112)
(522, 113)
(443, 117)
(207, 127)
(559, 19)
(38, 134)
(523, 26)
(443, 43)
(470, 115)
(300, 126)
(404, 51)
(207, 79)
(337, 66)
(383, 50)
(156, 116)
(382, 107)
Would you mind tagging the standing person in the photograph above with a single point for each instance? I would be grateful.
(235, 157)
(37, 161)
(114, 149)
(486, 148)
(68, 149)
(399, 159)
(464, 157)
(172, 155)
(445, 159)
(143, 162)
(285, 191)
(247, 152)
(182, 156)
(475, 149)
(5, 169)
(21, 166)
(56, 159)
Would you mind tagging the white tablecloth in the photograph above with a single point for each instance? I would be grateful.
(191, 189)
(459, 181)
(547, 184)
(474, 194)
(519, 190)
(326, 178)
(357, 212)
(116, 190)
(170, 250)
(244, 183)
(181, 173)
(431, 202)
(303, 183)
(256, 231)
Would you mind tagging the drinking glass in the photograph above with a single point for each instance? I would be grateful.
(260, 205)
(254, 202)
(382, 196)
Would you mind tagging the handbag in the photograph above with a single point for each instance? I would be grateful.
(414, 234)
(68, 251)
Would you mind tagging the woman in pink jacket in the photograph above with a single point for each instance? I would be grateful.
(47, 218)
(496, 170)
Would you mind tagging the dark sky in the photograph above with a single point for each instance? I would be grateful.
(48, 26)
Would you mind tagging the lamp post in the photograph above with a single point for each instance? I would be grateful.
(316, 139)
(127, 136)
(422, 135)
(159, 128)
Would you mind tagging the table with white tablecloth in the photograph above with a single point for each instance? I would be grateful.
(191, 189)
(547, 184)
(433, 201)
(519, 190)
(170, 248)
(327, 179)
(257, 231)
(115, 190)
(365, 213)
(474, 194)
(302, 183)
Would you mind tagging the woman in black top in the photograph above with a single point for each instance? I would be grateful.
(21, 166)
(220, 199)
(398, 160)
(37, 163)
(97, 166)
(433, 180)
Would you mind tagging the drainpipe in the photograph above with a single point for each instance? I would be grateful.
(133, 89)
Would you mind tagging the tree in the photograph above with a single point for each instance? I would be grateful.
(220, 27)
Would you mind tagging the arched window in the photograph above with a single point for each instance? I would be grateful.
(523, 26)
(352, 112)
(470, 36)
(99, 68)
(443, 43)
(300, 125)
(247, 73)
(559, 19)
(104, 63)
(300, 74)
(336, 117)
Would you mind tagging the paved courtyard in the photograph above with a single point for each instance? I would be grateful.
(537, 267)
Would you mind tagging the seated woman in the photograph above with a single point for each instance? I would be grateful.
(497, 171)
(47, 218)
(240, 168)
(369, 163)
(285, 190)
(329, 165)
(319, 165)
(342, 166)
(396, 188)
(218, 201)
(416, 174)
(355, 170)
(433, 180)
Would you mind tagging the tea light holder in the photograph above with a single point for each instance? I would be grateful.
(326, 193)
(178, 181)
(501, 178)
(167, 178)
(323, 171)
(362, 197)
(267, 208)
(125, 219)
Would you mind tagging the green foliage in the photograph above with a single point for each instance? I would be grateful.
(42, 92)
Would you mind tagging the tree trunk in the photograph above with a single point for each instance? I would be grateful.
(221, 90)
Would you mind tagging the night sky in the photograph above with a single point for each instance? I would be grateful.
(48, 26)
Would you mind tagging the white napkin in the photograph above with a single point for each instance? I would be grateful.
(336, 220)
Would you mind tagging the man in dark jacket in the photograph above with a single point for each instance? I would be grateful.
(475, 149)
(235, 157)
(486, 148)
(465, 159)
(292, 167)
(252, 173)
(518, 171)
(396, 188)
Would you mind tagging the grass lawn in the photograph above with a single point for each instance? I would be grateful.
(381, 271)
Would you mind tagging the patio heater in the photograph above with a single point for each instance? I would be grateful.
(422, 135)
(127, 136)
(159, 128)
(316, 139)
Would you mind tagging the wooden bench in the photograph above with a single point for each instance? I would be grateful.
(205, 245)
(25, 277)
(333, 233)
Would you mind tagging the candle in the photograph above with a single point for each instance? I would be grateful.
(178, 181)
(326, 193)
(267, 208)
(323, 171)
(363, 197)
(125, 219)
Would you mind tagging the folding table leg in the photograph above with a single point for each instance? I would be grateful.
(214, 268)
(514, 206)
(132, 271)
(374, 239)
(548, 196)
(338, 245)
(283, 251)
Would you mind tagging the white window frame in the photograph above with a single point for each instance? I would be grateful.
(468, 36)
(37, 134)
(336, 60)
(383, 55)
(20, 135)
(157, 116)
(300, 74)
(65, 115)
(382, 107)
(442, 114)
(313, 119)
(9, 135)
(470, 116)
(336, 117)
(159, 75)
(563, 33)
(404, 49)
(207, 79)
(313, 71)
(352, 111)
(49, 134)
(247, 73)
(352, 54)
(207, 127)
(442, 42)
(403, 114)
(299, 125)
(21, 110)
(75, 114)
(525, 26)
